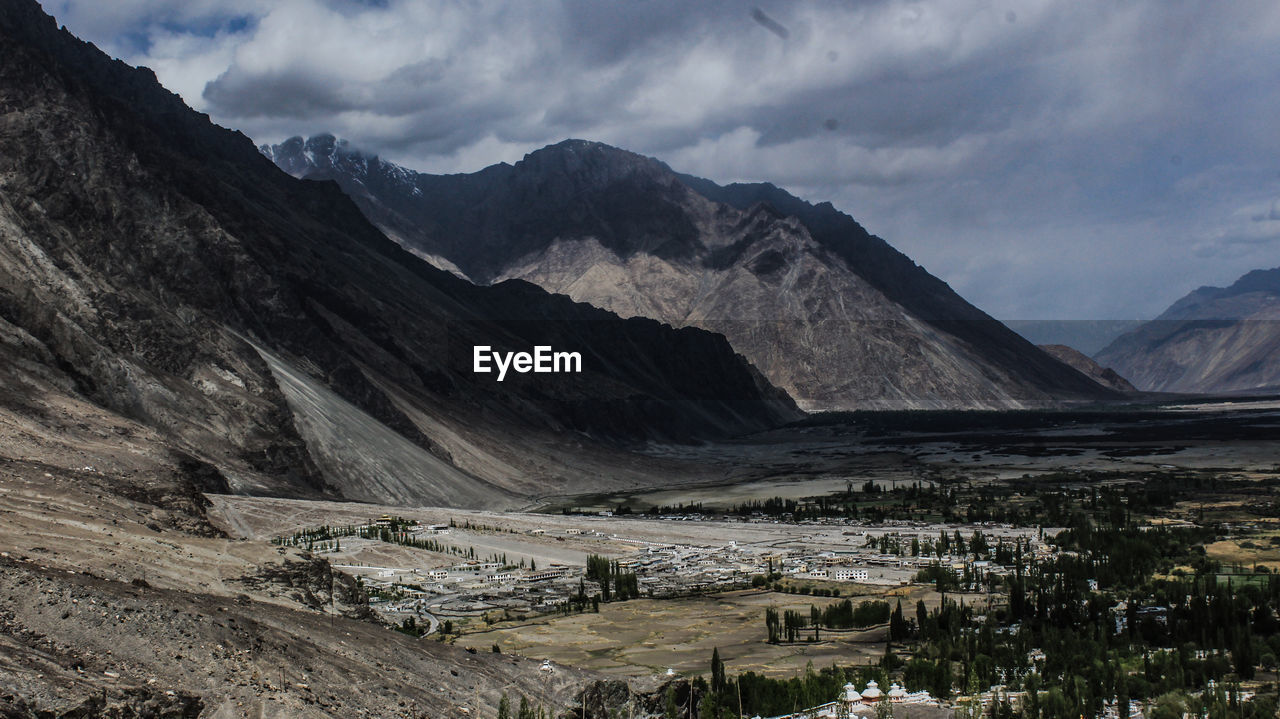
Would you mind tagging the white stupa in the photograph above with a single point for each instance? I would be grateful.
(871, 694)
(850, 695)
(897, 693)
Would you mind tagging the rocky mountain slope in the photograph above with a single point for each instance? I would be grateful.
(179, 317)
(1216, 339)
(159, 267)
(827, 311)
(1104, 376)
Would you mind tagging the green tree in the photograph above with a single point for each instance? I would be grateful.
(940, 685)
(1031, 687)
(1054, 705)
(897, 625)
(771, 624)
(1170, 706)
(1244, 657)
(672, 710)
(717, 671)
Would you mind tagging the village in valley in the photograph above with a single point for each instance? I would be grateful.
(473, 570)
(903, 601)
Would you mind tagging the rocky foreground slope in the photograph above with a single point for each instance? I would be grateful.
(119, 598)
(827, 311)
(1216, 339)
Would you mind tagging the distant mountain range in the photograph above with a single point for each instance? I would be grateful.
(1216, 339)
(1087, 336)
(1104, 376)
(158, 268)
(825, 310)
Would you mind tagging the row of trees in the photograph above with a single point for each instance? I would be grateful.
(615, 583)
(946, 544)
(791, 624)
(1021, 503)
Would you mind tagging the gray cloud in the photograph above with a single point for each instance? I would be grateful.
(1048, 158)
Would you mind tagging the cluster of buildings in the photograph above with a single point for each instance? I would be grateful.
(663, 569)
(870, 567)
(852, 702)
(474, 588)
(669, 570)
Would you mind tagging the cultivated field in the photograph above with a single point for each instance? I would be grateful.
(645, 637)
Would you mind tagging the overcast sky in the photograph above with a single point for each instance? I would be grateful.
(1050, 160)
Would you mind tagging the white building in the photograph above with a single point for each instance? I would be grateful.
(850, 697)
(852, 704)
(538, 575)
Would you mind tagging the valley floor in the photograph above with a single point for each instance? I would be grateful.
(122, 587)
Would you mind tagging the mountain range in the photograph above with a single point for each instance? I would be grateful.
(827, 311)
(1104, 376)
(1216, 339)
(158, 268)
(182, 321)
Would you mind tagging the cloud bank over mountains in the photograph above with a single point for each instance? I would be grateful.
(1048, 159)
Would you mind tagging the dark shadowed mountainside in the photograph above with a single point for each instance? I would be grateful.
(827, 311)
(1216, 339)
